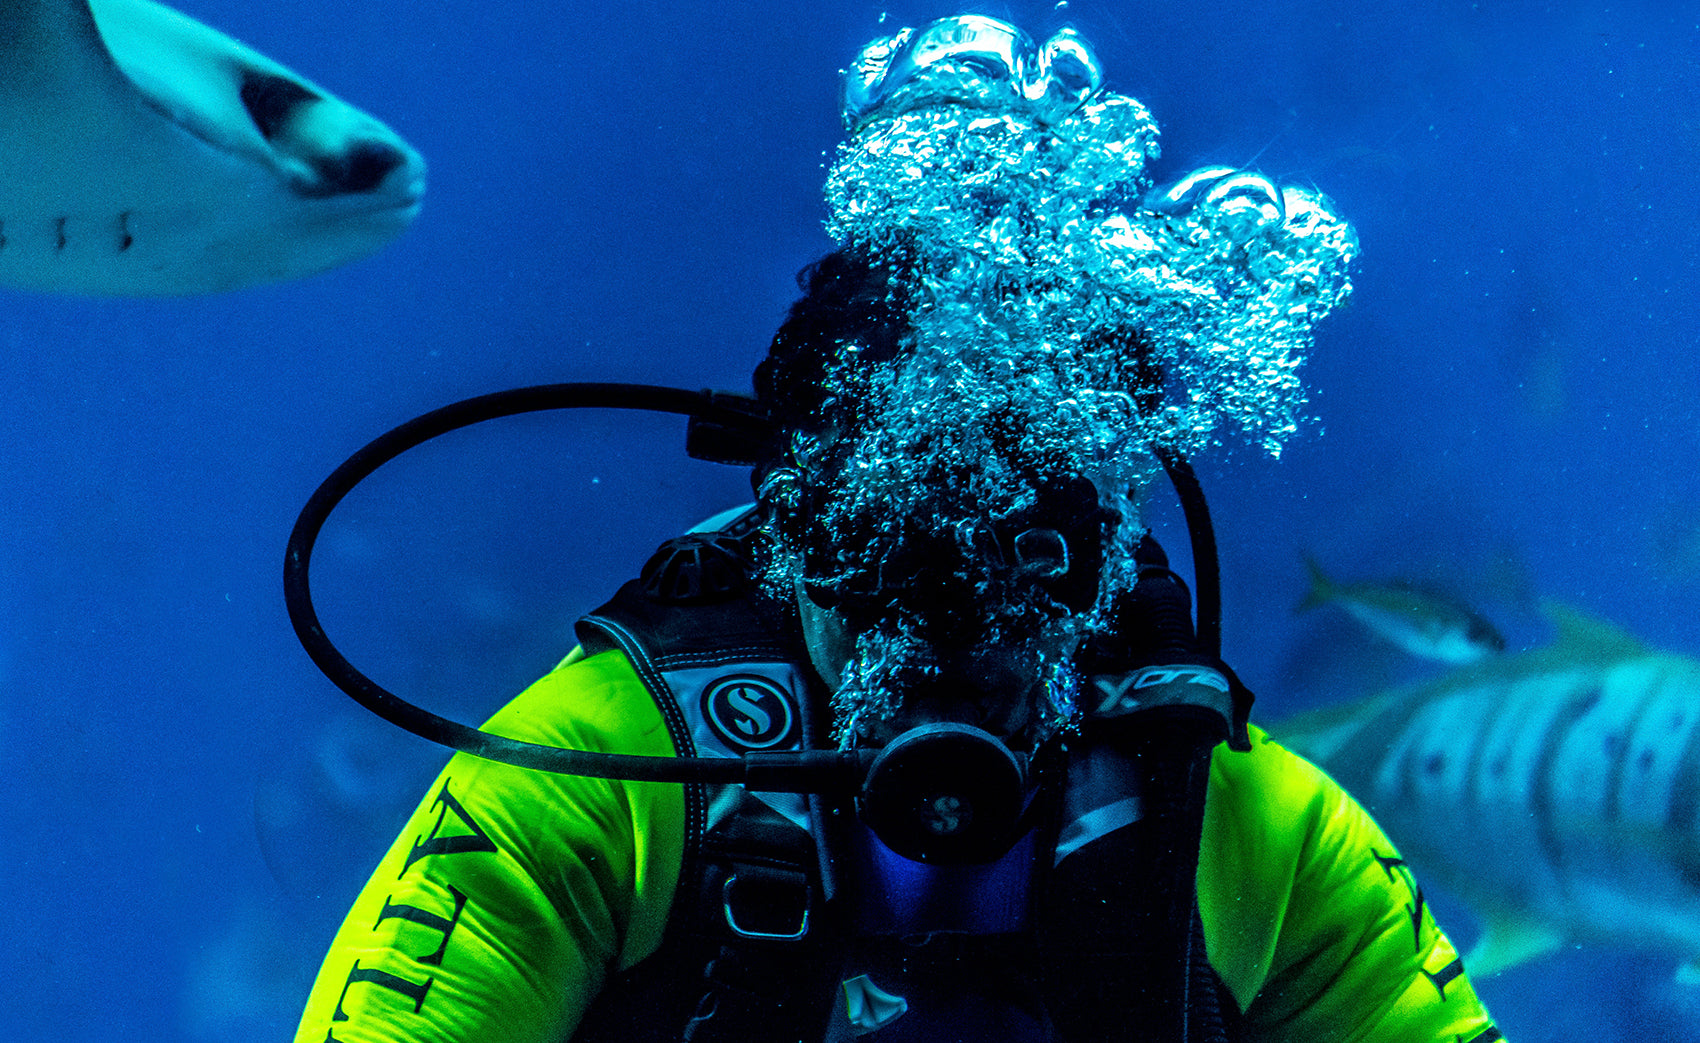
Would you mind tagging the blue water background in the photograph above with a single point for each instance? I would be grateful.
(624, 192)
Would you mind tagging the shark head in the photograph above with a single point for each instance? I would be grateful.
(148, 154)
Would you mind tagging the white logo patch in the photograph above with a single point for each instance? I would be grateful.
(749, 712)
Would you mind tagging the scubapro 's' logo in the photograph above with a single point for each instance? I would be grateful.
(749, 712)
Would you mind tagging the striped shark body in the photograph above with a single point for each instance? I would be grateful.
(1556, 791)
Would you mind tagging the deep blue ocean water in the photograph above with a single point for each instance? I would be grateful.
(624, 192)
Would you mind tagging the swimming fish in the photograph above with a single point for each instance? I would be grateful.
(1556, 791)
(1422, 622)
(143, 153)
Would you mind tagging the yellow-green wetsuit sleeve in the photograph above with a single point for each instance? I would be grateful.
(511, 894)
(1313, 920)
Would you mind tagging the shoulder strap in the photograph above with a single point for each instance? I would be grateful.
(1120, 936)
(748, 923)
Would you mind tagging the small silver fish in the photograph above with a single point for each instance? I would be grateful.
(1424, 623)
(1556, 791)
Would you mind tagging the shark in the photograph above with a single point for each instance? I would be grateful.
(1555, 791)
(143, 153)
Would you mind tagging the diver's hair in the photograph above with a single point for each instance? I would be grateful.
(851, 324)
(854, 299)
(849, 299)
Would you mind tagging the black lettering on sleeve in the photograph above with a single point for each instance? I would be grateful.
(477, 840)
(1417, 919)
(1388, 863)
(1395, 868)
(1445, 976)
(414, 991)
(426, 918)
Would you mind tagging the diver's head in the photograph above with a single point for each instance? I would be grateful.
(976, 383)
(941, 558)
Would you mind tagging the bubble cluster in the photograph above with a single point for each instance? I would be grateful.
(1065, 318)
(1039, 239)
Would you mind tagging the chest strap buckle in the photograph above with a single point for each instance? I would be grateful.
(767, 903)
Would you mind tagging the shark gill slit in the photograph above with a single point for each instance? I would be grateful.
(1362, 750)
(1541, 798)
(1682, 815)
(125, 239)
(1475, 762)
(1418, 762)
(1623, 754)
(59, 234)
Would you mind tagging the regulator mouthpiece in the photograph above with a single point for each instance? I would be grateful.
(946, 793)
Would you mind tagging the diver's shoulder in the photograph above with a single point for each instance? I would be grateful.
(587, 702)
(1269, 778)
(1266, 754)
(581, 669)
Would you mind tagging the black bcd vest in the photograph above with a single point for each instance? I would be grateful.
(790, 917)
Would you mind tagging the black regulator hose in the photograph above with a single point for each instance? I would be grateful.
(803, 771)
(1206, 567)
(724, 428)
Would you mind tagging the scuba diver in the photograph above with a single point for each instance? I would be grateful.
(926, 743)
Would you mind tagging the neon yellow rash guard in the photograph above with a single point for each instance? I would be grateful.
(512, 895)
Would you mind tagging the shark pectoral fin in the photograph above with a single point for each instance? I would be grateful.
(1323, 734)
(1588, 637)
(1507, 942)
